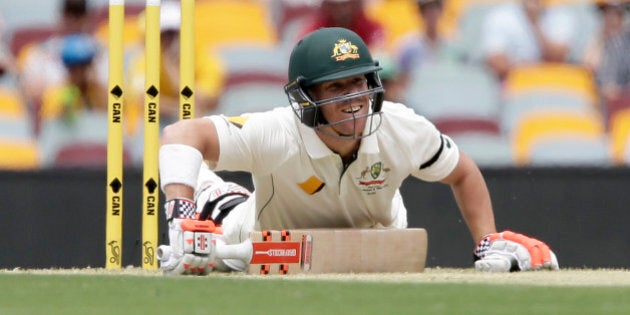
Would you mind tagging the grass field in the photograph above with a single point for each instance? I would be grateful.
(436, 291)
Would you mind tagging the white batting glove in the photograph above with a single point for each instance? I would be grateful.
(217, 198)
(190, 249)
(509, 251)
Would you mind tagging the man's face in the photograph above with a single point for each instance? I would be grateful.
(431, 13)
(343, 115)
(613, 18)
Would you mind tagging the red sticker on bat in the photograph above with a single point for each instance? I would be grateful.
(276, 253)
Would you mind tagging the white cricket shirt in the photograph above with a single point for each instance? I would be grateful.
(300, 183)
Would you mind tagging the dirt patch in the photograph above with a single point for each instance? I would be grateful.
(564, 277)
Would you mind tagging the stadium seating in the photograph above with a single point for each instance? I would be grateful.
(17, 141)
(456, 125)
(619, 103)
(453, 90)
(398, 17)
(487, 150)
(519, 106)
(547, 125)
(84, 155)
(254, 79)
(480, 138)
(221, 23)
(19, 155)
(253, 59)
(563, 150)
(464, 102)
(560, 78)
(17, 128)
(252, 92)
(59, 139)
(401, 17)
(620, 136)
(11, 104)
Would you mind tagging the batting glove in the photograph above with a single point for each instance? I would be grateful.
(190, 249)
(509, 251)
(219, 199)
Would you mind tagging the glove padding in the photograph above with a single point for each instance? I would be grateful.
(190, 249)
(191, 246)
(509, 251)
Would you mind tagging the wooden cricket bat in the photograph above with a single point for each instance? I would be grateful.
(317, 251)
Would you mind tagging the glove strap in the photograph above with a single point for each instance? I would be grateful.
(180, 208)
(224, 208)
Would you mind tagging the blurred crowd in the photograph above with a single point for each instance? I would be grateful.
(515, 83)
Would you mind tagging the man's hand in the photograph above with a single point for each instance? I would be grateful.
(191, 248)
(509, 251)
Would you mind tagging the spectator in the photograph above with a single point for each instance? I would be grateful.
(42, 66)
(608, 52)
(426, 46)
(523, 32)
(81, 90)
(209, 74)
(429, 45)
(349, 14)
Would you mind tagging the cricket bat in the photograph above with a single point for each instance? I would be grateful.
(317, 251)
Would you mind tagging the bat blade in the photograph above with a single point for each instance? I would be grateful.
(319, 251)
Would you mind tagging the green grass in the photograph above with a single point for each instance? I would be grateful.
(124, 294)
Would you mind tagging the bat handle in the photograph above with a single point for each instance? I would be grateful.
(242, 251)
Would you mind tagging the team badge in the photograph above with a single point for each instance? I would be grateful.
(373, 178)
(345, 50)
(375, 170)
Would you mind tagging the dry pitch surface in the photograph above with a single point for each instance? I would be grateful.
(564, 277)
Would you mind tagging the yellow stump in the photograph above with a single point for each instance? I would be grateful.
(187, 60)
(150, 191)
(113, 234)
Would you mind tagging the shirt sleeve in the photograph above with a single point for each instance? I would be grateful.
(234, 149)
(440, 159)
(252, 143)
(429, 155)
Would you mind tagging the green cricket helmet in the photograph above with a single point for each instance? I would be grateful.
(329, 54)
